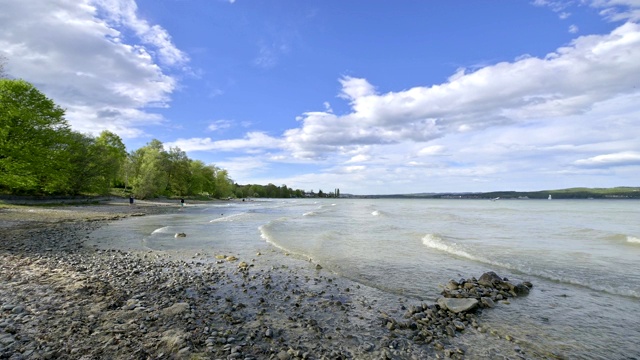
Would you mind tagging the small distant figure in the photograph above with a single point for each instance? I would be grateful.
(130, 200)
(182, 202)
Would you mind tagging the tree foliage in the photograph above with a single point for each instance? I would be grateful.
(33, 134)
(40, 155)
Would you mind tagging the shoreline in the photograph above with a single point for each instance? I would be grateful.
(62, 299)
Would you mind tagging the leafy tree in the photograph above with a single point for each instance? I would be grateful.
(149, 170)
(114, 154)
(32, 128)
(179, 171)
(89, 168)
(223, 184)
(198, 178)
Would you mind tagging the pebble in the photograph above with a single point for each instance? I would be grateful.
(111, 303)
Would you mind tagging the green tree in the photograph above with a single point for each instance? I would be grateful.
(32, 128)
(149, 170)
(88, 167)
(223, 184)
(179, 171)
(114, 154)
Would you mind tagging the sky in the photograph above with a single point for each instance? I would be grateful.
(367, 96)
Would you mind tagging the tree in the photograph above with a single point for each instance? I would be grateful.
(88, 165)
(32, 128)
(179, 171)
(114, 154)
(149, 170)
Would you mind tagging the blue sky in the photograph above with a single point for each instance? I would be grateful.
(372, 97)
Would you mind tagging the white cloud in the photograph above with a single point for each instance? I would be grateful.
(573, 29)
(567, 82)
(431, 150)
(219, 125)
(252, 141)
(76, 53)
(625, 158)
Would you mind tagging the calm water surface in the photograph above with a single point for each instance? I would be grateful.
(581, 255)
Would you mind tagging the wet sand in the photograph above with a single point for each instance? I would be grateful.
(61, 298)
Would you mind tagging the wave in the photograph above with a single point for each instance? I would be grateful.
(310, 213)
(624, 239)
(162, 230)
(231, 217)
(266, 235)
(633, 240)
(435, 241)
(377, 213)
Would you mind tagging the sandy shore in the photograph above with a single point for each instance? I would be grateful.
(62, 299)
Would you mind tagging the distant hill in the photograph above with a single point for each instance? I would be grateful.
(622, 192)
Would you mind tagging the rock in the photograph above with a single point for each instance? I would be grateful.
(521, 289)
(490, 279)
(318, 267)
(243, 266)
(452, 285)
(231, 258)
(176, 309)
(180, 235)
(457, 305)
(487, 302)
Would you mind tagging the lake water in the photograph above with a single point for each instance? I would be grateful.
(582, 256)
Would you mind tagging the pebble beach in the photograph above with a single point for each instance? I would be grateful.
(61, 298)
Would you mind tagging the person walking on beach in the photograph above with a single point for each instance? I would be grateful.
(130, 200)
(182, 202)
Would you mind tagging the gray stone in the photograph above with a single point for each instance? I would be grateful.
(457, 305)
(490, 279)
(452, 285)
(487, 302)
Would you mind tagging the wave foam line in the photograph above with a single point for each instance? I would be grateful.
(163, 229)
(227, 218)
(633, 240)
(434, 241)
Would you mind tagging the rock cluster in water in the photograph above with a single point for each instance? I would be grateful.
(456, 310)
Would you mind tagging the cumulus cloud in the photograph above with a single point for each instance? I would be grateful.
(569, 81)
(77, 53)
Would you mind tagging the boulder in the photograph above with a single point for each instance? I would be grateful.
(490, 279)
(457, 305)
(180, 235)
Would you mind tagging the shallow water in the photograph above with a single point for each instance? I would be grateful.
(581, 255)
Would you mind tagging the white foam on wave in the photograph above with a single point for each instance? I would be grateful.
(376, 213)
(310, 213)
(633, 240)
(162, 230)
